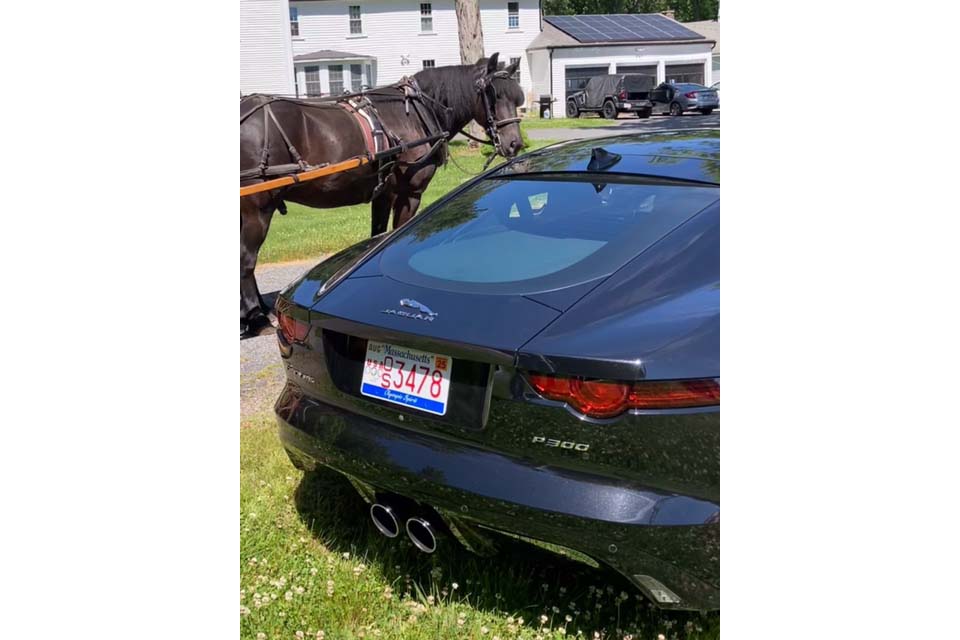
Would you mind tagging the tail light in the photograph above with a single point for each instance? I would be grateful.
(622, 95)
(291, 329)
(607, 398)
(692, 94)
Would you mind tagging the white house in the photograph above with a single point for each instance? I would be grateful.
(571, 49)
(710, 29)
(339, 45)
(266, 52)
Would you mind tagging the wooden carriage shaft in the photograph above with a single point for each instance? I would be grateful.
(337, 167)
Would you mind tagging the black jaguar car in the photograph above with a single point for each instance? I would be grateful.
(536, 354)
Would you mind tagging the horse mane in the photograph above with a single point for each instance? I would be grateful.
(454, 87)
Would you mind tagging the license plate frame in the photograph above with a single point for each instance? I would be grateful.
(377, 373)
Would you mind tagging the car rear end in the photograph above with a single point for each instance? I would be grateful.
(450, 372)
(698, 97)
(634, 95)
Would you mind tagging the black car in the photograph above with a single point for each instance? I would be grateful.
(537, 354)
(613, 94)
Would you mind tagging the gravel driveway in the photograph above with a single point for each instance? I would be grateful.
(261, 372)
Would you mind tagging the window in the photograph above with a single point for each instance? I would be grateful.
(716, 62)
(356, 77)
(557, 233)
(294, 22)
(429, 64)
(685, 73)
(516, 74)
(426, 17)
(577, 78)
(356, 25)
(513, 15)
(336, 79)
(313, 81)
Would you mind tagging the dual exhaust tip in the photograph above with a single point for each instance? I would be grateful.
(421, 533)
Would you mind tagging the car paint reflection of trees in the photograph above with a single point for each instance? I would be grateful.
(574, 156)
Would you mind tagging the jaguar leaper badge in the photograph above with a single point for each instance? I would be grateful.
(420, 311)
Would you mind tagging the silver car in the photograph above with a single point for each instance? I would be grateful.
(677, 98)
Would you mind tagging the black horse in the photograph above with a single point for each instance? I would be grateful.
(294, 132)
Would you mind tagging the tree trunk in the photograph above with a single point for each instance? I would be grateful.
(471, 43)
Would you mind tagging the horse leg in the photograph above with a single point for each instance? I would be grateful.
(254, 224)
(380, 211)
(405, 207)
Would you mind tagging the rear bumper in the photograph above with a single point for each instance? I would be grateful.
(666, 544)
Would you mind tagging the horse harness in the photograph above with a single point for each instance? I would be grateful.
(382, 146)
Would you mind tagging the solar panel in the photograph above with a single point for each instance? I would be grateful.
(634, 27)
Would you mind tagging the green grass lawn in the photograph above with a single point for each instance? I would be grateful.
(583, 122)
(308, 233)
(312, 566)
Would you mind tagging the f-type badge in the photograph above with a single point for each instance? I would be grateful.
(420, 311)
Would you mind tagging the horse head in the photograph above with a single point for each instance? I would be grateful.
(499, 96)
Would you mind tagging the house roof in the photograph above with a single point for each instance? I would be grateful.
(553, 37)
(330, 54)
(708, 29)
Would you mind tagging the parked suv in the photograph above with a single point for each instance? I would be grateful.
(677, 98)
(611, 95)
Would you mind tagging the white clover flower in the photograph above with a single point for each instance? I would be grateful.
(568, 618)
(484, 630)
(288, 596)
(321, 635)
(299, 635)
(346, 555)
(244, 610)
(543, 619)
(261, 635)
(455, 586)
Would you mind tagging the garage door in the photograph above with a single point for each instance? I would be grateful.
(685, 73)
(575, 78)
(640, 69)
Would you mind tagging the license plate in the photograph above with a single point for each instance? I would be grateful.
(407, 377)
(627, 105)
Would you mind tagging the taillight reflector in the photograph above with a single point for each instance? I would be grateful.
(292, 329)
(692, 94)
(606, 398)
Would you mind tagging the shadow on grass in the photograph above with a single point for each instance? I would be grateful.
(521, 580)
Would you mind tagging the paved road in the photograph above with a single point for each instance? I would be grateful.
(629, 124)
(261, 372)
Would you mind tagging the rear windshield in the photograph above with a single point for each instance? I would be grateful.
(522, 236)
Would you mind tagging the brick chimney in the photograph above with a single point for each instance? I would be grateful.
(669, 14)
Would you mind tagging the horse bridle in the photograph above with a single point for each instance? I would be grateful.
(493, 125)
